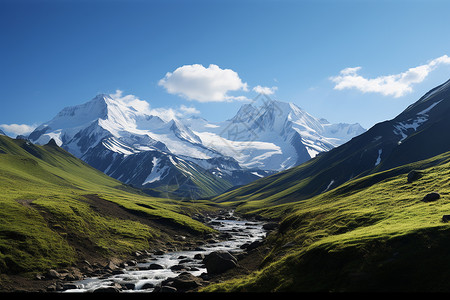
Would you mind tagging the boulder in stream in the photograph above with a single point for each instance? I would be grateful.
(184, 282)
(219, 261)
(154, 266)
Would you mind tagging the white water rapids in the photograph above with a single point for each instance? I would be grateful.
(145, 280)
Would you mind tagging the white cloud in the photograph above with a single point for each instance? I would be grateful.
(17, 129)
(189, 110)
(395, 85)
(212, 84)
(143, 106)
(265, 90)
(133, 101)
(350, 71)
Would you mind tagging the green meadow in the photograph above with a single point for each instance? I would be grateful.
(48, 204)
(371, 234)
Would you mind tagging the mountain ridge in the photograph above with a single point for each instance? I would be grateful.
(107, 131)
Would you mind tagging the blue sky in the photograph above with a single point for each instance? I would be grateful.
(346, 61)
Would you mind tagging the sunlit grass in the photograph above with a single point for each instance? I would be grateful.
(43, 207)
(373, 233)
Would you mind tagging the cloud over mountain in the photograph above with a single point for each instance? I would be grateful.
(396, 85)
(211, 84)
(18, 129)
(265, 90)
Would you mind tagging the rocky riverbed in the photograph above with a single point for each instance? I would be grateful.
(172, 271)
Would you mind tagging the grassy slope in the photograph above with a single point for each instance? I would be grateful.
(371, 234)
(44, 193)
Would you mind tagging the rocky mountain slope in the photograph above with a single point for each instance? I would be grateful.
(189, 157)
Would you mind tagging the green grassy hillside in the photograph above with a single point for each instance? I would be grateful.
(371, 234)
(54, 208)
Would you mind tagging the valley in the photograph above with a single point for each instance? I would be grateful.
(350, 219)
(224, 148)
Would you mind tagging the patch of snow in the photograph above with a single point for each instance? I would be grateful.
(118, 147)
(157, 172)
(329, 185)
(256, 174)
(402, 127)
(425, 111)
(379, 157)
(312, 152)
(212, 126)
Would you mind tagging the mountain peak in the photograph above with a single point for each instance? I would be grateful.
(266, 109)
(93, 109)
(52, 143)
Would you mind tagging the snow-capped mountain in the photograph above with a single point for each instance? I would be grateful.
(273, 136)
(124, 138)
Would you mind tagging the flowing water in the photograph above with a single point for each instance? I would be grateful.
(242, 232)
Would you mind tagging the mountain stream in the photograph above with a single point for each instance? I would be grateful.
(143, 278)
